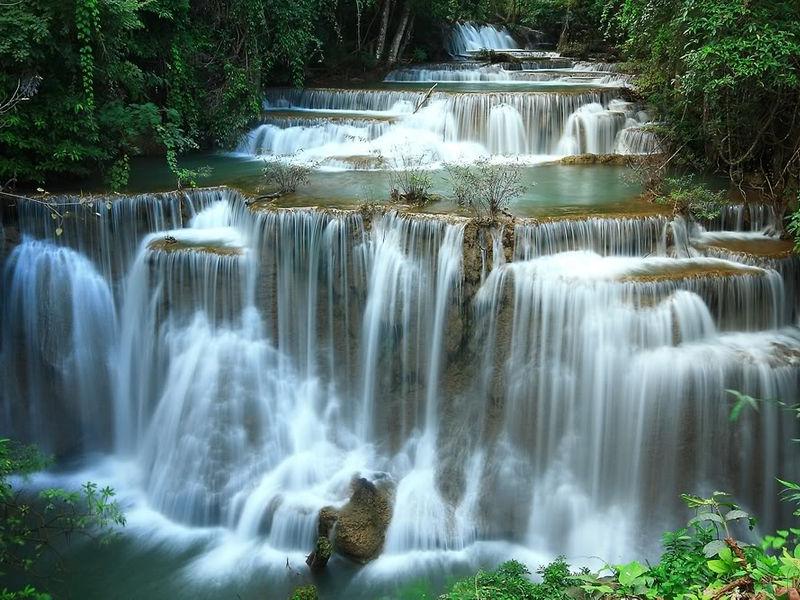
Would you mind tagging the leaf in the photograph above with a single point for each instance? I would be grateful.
(707, 516)
(736, 514)
(742, 401)
(630, 572)
(713, 548)
(718, 566)
(59, 231)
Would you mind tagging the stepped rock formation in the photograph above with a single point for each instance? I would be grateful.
(517, 380)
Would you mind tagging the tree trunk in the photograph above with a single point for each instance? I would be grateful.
(406, 38)
(400, 33)
(563, 39)
(381, 47)
(358, 25)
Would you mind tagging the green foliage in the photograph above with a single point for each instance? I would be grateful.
(30, 528)
(409, 178)
(690, 199)
(306, 592)
(683, 564)
(743, 401)
(699, 562)
(794, 225)
(557, 579)
(791, 493)
(121, 78)
(27, 593)
(725, 74)
(508, 582)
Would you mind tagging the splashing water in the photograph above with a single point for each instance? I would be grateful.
(241, 369)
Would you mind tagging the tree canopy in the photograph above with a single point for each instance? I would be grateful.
(725, 75)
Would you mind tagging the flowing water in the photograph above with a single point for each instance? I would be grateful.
(531, 111)
(540, 387)
(466, 38)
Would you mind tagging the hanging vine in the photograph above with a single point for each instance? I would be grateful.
(87, 23)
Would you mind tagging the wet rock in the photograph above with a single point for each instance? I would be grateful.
(362, 522)
(531, 38)
(306, 592)
(321, 554)
(327, 519)
(598, 159)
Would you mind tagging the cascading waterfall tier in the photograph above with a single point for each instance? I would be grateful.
(444, 126)
(466, 38)
(546, 384)
(555, 70)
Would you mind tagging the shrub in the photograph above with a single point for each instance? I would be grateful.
(410, 180)
(510, 582)
(484, 188)
(286, 174)
(794, 225)
(691, 199)
(306, 592)
(32, 528)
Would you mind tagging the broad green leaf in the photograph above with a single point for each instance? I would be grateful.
(735, 514)
(713, 548)
(630, 572)
(718, 566)
(708, 516)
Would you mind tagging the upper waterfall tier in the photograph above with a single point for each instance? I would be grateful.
(466, 38)
(444, 127)
(557, 71)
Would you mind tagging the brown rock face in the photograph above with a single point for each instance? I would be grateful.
(362, 522)
(327, 519)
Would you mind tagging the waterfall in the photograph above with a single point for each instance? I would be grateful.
(634, 140)
(289, 136)
(59, 325)
(449, 127)
(342, 100)
(627, 236)
(468, 37)
(449, 72)
(591, 129)
(246, 364)
(589, 358)
(506, 131)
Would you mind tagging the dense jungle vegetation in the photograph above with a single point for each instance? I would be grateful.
(89, 84)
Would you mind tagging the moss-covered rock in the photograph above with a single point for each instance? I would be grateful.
(318, 559)
(361, 524)
(306, 592)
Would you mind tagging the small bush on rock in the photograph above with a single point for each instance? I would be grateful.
(410, 179)
(484, 188)
(286, 174)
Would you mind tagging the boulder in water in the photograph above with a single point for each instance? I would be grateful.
(327, 519)
(361, 524)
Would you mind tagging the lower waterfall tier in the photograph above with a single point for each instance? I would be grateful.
(518, 388)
